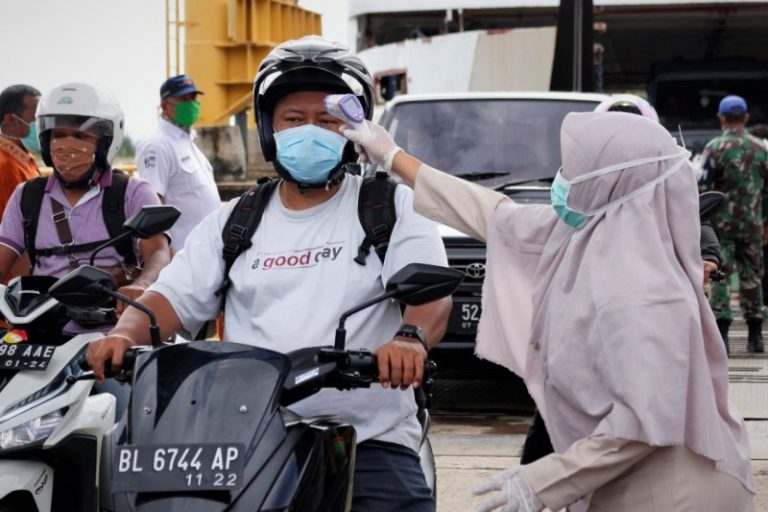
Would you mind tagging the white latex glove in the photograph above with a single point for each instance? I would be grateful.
(376, 143)
(516, 493)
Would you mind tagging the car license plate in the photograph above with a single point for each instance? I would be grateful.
(464, 317)
(25, 356)
(179, 467)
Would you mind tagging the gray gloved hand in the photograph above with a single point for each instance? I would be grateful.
(516, 493)
(376, 143)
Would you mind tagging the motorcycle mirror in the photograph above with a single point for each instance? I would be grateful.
(89, 286)
(152, 220)
(85, 287)
(419, 283)
(709, 203)
(146, 223)
(414, 284)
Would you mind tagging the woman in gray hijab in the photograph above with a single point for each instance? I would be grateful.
(596, 302)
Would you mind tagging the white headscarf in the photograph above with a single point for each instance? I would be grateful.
(608, 324)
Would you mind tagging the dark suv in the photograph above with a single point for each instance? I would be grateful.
(506, 141)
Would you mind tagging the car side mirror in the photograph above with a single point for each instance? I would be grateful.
(84, 287)
(152, 220)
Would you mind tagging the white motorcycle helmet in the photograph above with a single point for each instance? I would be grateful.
(85, 108)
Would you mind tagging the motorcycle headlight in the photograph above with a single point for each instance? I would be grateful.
(36, 430)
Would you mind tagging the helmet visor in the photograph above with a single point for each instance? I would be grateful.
(94, 126)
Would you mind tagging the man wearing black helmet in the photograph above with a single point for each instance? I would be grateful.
(304, 270)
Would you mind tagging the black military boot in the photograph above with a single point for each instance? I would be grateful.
(755, 339)
(723, 324)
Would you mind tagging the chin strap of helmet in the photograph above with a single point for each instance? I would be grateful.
(335, 177)
(91, 178)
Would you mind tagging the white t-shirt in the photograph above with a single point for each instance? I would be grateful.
(290, 288)
(176, 168)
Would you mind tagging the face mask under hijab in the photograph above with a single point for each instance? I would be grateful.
(186, 113)
(309, 153)
(577, 219)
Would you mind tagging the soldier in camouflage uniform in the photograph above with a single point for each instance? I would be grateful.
(736, 164)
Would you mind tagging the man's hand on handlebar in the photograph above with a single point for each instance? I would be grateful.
(401, 363)
(111, 349)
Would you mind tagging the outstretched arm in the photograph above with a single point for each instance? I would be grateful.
(439, 196)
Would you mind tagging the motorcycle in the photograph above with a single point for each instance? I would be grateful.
(209, 425)
(51, 426)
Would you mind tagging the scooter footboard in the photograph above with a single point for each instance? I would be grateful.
(19, 477)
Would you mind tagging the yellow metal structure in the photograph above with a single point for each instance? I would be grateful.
(224, 41)
(173, 27)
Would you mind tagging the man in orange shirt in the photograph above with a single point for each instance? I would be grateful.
(18, 137)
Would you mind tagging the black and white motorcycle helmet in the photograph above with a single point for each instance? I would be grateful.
(307, 64)
(85, 108)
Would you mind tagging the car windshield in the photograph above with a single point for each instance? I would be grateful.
(502, 140)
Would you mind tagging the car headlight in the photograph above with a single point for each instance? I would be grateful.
(31, 431)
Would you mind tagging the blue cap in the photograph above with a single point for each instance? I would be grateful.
(178, 86)
(732, 105)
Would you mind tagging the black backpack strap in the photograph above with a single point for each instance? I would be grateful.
(377, 214)
(240, 227)
(113, 211)
(31, 200)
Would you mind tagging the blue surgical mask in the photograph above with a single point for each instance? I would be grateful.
(309, 153)
(31, 142)
(559, 195)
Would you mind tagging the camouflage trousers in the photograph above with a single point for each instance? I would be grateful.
(738, 255)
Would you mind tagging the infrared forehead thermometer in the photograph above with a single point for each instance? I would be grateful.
(346, 107)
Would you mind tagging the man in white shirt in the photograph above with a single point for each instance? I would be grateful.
(302, 272)
(171, 162)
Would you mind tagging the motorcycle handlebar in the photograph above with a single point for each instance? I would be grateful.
(129, 359)
(364, 365)
(717, 275)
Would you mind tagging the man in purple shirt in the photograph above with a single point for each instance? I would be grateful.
(80, 129)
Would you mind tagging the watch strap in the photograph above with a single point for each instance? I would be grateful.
(413, 332)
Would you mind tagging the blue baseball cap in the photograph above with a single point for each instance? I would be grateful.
(178, 86)
(732, 105)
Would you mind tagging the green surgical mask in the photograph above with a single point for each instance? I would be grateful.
(186, 113)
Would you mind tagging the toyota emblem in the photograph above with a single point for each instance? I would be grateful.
(475, 270)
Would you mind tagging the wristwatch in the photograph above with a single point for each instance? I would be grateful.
(413, 332)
